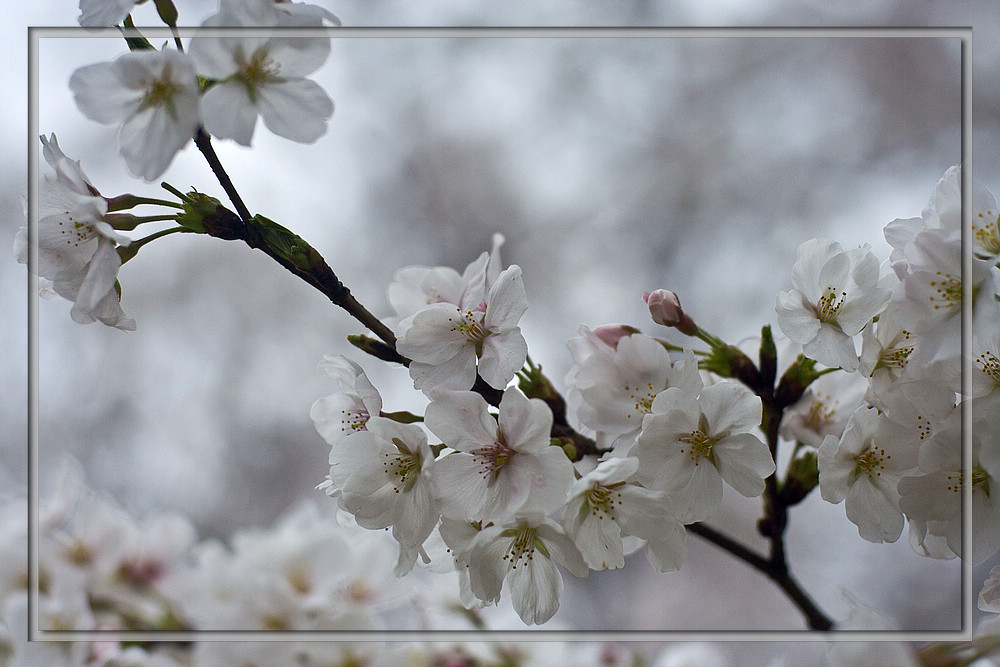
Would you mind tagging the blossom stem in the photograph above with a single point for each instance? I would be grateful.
(123, 202)
(779, 574)
(131, 250)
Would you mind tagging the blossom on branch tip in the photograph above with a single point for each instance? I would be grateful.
(261, 75)
(77, 249)
(415, 287)
(445, 341)
(152, 96)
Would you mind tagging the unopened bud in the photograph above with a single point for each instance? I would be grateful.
(612, 333)
(665, 308)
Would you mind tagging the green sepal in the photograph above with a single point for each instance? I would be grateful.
(803, 477)
(167, 12)
(402, 417)
(135, 40)
(767, 357)
(794, 382)
(729, 361)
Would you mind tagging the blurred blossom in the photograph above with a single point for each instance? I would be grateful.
(262, 75)
(152, 96)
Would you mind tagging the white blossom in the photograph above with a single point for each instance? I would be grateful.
(76, 247)
(383, 475)
(101, 13)
(605, 504)
(153, 98)
(836, 293)
(445, 340)
(340, 414)
(858, 467)
(524, 552)
(261, 75)
(688, 446)
(501, 465)
(613, 387)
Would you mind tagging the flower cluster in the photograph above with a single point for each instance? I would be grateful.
(879, 428)
(159, 99)
(492, 487)
(888, 434)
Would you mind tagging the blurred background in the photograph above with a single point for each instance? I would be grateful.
(612, 165)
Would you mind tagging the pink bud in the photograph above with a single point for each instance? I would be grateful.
(665, 308)
(612, 333)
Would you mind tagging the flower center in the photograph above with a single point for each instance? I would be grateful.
(257, 72)
(492, 459)
(818, 414)
(522, 547)
(141, 571)
(700, 445)
(987, 235)
(829, 305)
(948, 290)
(470, 325)
(897, 355)
(400, 468)
(160, 93)
(602, 500)
(980, 480)
(76, 231)
(643, 400)
(871, 462)
(989, 364)
(354, 420)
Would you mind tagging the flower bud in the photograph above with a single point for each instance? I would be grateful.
(665, 308)
(612, 333)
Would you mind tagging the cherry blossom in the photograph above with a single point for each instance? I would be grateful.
(823, 409)
(688, 446)
(613, 388)
(524, 552)
(153, 98)
(383, 474)
(415, 287)
(836, 293)
(76, 247)
(445, 341)
(499, 468)
(261, 75)
(101, 13)
(605, 504)
(338, 415)
(859, 468)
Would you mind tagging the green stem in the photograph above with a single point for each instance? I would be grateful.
(125, 202)
(131, 250)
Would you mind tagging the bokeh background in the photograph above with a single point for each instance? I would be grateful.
(612, 165)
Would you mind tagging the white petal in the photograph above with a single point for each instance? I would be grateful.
(228, 112)
(297, 109)
(535, 587)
